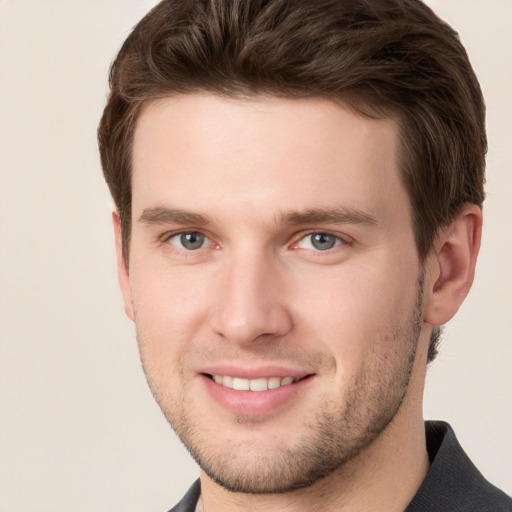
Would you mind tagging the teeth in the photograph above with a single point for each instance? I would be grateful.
(241, 384)
(252, 384)
(258, 384)
(274, 382)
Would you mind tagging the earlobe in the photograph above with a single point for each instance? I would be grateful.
(122, 269)
(451, 267)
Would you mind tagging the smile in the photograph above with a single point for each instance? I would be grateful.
(263, 384)
(259, 395)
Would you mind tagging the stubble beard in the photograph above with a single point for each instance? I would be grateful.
(335, 437)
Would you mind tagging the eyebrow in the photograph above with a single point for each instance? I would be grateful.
(338, 215)
(161, 215)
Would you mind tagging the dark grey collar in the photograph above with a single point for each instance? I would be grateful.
(453, 484)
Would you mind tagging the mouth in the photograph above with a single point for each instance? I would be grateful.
(260, 384)
(251, 393)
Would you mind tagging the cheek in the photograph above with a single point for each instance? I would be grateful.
(165, 324)
(168, 296)
(169, 312)
(356, 310)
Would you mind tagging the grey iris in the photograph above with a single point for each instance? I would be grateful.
(192, 241)
(323, 241)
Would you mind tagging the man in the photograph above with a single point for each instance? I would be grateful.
(298, 191)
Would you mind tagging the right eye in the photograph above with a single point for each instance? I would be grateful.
(189, 241)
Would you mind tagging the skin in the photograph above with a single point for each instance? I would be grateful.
(254, 179)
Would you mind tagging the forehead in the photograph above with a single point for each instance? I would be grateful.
(203, 152)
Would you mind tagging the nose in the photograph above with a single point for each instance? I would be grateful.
(252, 304)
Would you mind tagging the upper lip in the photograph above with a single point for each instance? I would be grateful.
(261, 372)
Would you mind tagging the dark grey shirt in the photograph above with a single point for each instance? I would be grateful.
(452, 484)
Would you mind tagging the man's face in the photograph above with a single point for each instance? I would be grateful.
(272, 247)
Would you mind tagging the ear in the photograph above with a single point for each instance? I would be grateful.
(122, 269)
(451, 267)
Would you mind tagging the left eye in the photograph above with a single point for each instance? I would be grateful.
(319, 241)
(190, 241)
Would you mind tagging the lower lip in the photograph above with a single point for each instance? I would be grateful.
(254, 403)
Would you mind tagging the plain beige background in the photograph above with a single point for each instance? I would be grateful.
(78, 427)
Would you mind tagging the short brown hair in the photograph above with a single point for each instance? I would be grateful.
(382, 57)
